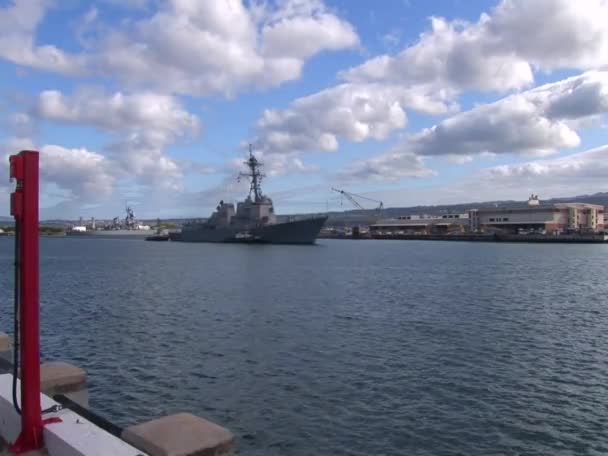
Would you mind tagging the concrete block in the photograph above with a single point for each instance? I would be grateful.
(73, 436)
(5, 342)
(6, 351)
(182, 434)
(57, 377)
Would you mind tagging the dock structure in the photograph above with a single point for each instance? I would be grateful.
(81, 432)
(44, 408)
(563, 221)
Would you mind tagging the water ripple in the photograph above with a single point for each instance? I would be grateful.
(355, 348)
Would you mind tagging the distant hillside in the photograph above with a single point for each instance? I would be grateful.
(354, 217)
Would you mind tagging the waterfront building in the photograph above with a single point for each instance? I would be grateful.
(531, 218)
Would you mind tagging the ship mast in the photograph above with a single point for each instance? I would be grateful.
(254, 174)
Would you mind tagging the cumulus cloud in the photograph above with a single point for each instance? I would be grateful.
(315, 122)
(198, 48)
(287, 164)
(391, 166)
(141, 156)
(10, 146)
(552, 34)
(188, 47)
(82, 173)
(536, 122)
(575, 174)
(142, 124)
(18, 23)
(501, 50)
(591, 164)
(531, 122)
(452, 54)
(154, 112)
(513, 125)
(352, 112)
(85, 174)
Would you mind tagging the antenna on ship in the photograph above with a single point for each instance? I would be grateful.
(254, 174)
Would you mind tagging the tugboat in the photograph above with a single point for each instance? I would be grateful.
(253, 221)
(159, 235)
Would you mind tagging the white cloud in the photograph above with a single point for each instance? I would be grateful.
(86, 174)
(532, 122)
(391, 166)
(161, 114)
(18, 22)
(10, 146)
(280, 165)
(197, 48)
(353, 112)
(513, 125)
(82, 173)
(143, 125)
(186, 46)
(500, 51)
(537, 122)
(140, 156)
(575, 174)
(591, 164)
(452, 54)
(552, 34)
(301, 29)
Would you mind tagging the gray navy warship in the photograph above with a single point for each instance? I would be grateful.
(127, 228)
(254, 220)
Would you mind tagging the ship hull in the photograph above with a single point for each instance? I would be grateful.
(111, 234)
(297, 232)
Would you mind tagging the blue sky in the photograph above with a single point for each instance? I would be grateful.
(409, 101)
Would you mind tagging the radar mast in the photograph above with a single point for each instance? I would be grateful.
(255, 175)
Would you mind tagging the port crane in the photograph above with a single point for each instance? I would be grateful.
(352, 197)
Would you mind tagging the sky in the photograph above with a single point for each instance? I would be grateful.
(153, 103)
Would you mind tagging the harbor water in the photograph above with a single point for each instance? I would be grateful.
(343, 348)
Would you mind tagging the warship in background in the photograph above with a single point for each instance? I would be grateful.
(127, 228)
(254, 220)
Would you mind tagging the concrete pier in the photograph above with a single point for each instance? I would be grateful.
(72, 436)
(182, 434)
(57, 377)
(83, 433)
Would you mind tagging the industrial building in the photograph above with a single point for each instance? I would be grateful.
(422, 224)
(530, 218)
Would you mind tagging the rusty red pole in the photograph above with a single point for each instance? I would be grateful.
(24, 207)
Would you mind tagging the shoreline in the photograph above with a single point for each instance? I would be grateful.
(535, 239)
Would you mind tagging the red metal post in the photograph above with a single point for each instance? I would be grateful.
(24, 207)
